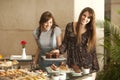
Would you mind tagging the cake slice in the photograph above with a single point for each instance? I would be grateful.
(48, 55)
(76, 68)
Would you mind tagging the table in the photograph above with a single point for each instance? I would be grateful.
(23, 63)
(27, 63)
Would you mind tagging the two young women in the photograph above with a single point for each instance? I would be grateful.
(79, 40)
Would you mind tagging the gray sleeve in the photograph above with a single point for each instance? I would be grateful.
(57, 31)
(35, 32)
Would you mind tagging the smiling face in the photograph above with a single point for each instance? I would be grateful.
(85, 18)
(47, 25)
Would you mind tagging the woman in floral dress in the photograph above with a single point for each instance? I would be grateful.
(80, 40)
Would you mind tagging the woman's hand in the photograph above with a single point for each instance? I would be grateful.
(34, 62)
(55, 51)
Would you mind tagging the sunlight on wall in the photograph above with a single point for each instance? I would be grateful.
(97, 5)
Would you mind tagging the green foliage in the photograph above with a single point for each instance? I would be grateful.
(112, 41)
(112, 53)
(112, 72)
(118, 11)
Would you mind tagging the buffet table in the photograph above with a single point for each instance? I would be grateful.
(68, 74)
(23, 63)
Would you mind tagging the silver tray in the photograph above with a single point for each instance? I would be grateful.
(61, 58)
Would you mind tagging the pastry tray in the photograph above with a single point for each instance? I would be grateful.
(76, 74)
(61, 58)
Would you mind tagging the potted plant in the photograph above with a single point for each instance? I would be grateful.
(111, 45)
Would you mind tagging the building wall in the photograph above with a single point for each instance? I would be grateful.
(115, 8)
(97, 5)
(18, 19)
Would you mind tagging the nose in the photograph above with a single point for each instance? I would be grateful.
(86, 18)
(47, 24)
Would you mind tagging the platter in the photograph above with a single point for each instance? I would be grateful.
(76, 74)
(61, 58)
(19, 57)
(50, 70)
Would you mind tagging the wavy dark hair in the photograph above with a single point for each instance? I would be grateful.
(44, 18)
(90, 27)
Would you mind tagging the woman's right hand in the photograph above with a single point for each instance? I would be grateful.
(34, 66)
(55, 51)
(34, 62)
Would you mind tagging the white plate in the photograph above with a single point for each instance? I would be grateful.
(51, 59)
(49, 69)
(19, 57)
(76, 74)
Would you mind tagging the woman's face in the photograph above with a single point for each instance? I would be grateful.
(47, 25)
(85, 18)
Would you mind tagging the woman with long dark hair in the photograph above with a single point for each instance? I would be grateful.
(80, 42)
(48, 37)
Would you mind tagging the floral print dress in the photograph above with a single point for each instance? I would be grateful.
(77, 54)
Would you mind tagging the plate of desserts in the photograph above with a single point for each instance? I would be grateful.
(53, 56)
(76, 71)
(61, 68)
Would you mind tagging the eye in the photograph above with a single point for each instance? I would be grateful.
(89, 17)
(50, 21)
(84, 15)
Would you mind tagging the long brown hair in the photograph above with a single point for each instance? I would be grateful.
(90, 27)
(44, 18)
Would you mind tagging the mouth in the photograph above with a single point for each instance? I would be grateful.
(83, 21)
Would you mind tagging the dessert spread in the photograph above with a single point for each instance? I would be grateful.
(52, 55)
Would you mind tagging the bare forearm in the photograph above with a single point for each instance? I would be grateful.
(36, 56)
